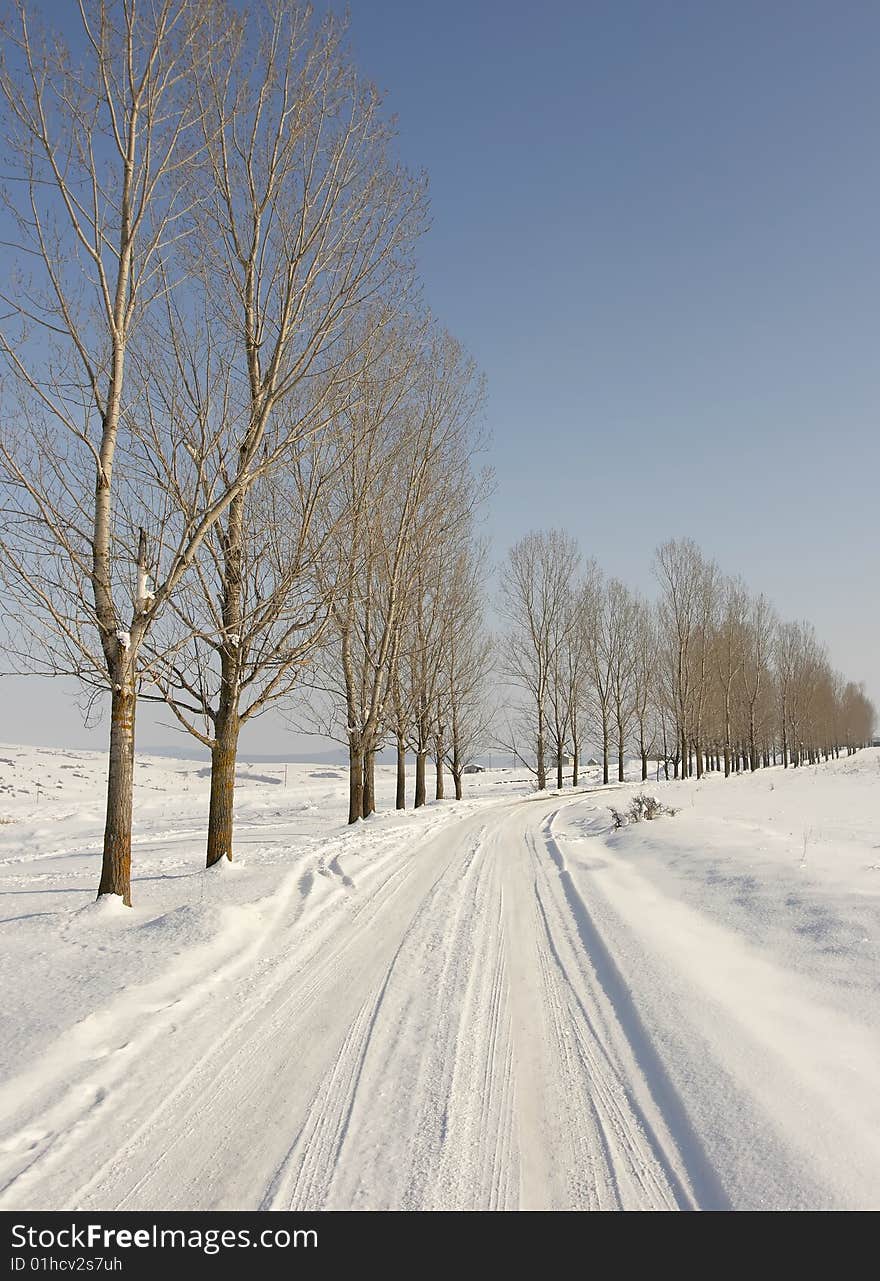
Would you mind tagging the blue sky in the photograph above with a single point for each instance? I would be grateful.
(655, 226)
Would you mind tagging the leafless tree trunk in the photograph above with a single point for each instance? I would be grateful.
(644, 681)
(467, 658)
(304, 220)
(101, 143)
(369, 798)
(685, 581)
(439, 749)
(605, 640)
(757, 659)
(729, 654)
(413, 436)
(536, 580)
(401, 726)
(256, 607)
(400, 798)
(621, 658)
(576, 659)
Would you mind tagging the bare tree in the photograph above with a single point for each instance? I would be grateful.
(436, 599)
(760, 632)
(707, 600)
(560, 686)
(424, 654)
(304, 219)
(603, 642)
(622, 615)
(467, 660)
(788, 653)
(225, 657)
(729, 654)
(857, 717)
(361, 669)
(101, 144)
(688, 595)
(400, 715)
(644, 680)
(583, 605)
(536, 580)
(413, 429)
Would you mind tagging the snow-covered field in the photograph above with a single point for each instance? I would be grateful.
(498, 1003)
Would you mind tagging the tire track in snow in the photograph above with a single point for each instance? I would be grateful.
(348, 1151)
(582, 1146)
(656, 1107)
(246, 1067)
(445, 1032)
(283, 1033)
(140, 1023)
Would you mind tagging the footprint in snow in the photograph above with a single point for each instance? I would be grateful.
(336, 868)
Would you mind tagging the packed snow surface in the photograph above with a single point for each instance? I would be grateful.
(497, 1003)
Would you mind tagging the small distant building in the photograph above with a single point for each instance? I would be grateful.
(567, 759)
(473, 769)
(875, 741)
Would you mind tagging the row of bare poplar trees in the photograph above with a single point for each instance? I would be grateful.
(237, 454)
(706, 678)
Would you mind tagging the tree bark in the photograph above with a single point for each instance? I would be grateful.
(227, 724)
(576, 763)
(753, 749)
(355, 782)
(457, 763)
(220, 813)
(368, 798)
(421, 792)
(116, 861)
(400, 799)
(438, 753)
(620, 758)
(541, 767)
(116, 857)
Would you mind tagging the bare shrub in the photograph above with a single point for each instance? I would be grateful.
(644, 806)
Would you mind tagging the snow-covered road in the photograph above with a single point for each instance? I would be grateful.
(492, 1011)
(436, 1038)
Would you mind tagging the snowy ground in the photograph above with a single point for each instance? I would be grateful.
(501, 1003)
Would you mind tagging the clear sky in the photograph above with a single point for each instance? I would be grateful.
(656, 226)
